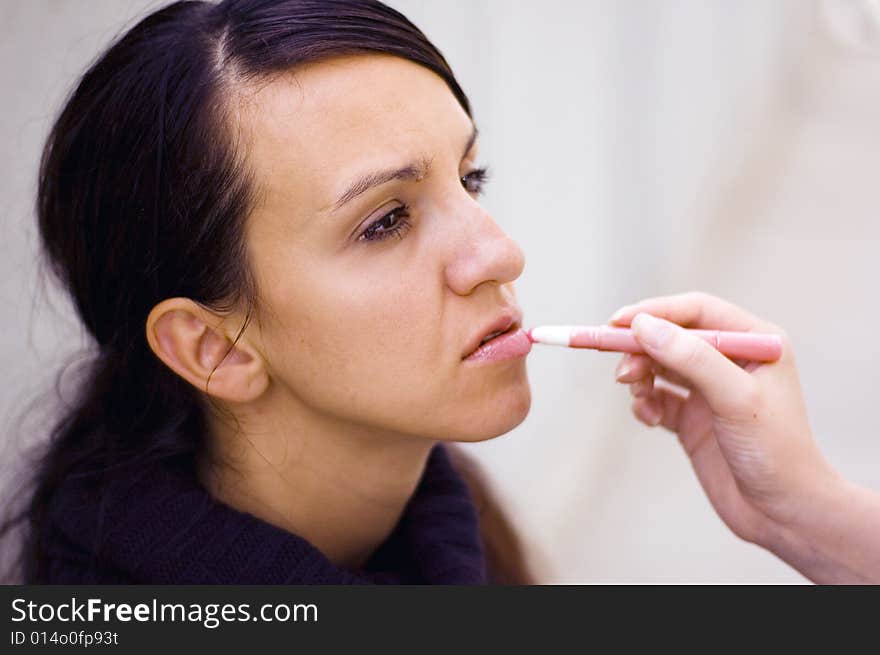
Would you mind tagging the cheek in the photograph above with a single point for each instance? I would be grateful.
(359, 340)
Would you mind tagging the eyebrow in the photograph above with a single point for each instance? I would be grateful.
(411, 171)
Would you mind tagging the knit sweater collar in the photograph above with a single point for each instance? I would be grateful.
(161, 526)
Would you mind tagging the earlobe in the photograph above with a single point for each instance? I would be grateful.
(191, 342)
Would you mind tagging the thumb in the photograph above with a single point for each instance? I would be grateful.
(725, 386)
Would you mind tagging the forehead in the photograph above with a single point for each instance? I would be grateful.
(331, 120)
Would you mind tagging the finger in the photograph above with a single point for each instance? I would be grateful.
(727, 388)
(694, 309)
(672, 406)
(663, 384)
(658, 370)
(633, 367)
(648, 410)
(641, 388)
(667, 405)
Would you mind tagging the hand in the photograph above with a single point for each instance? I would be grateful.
(744, 424)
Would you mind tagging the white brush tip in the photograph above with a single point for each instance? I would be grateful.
(552, 335)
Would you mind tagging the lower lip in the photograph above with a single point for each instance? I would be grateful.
(510, 345)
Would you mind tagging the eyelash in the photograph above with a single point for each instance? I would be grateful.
(477, 177)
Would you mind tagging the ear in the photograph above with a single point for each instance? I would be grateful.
(194, 343)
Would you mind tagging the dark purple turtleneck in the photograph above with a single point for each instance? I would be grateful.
(160, 526)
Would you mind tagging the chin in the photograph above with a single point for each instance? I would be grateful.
(497, 416)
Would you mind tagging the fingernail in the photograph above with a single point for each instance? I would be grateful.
(618, 314)
(652, 415)
(622, 369)
(651, 331)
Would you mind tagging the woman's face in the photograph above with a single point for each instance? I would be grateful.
(374, 293)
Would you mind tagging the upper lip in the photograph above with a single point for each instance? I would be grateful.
(510, 317)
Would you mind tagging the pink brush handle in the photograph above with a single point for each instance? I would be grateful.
(741, 345)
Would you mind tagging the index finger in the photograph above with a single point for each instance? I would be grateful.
(694, 309)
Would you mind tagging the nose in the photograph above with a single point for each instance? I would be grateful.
(480, 252)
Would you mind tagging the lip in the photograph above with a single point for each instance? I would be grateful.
(503, 346)
(510, 345)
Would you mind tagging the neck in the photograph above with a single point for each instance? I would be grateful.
(340, 486)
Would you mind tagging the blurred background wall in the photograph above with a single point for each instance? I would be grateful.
(637, 148)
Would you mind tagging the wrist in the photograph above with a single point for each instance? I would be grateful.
(818, 532)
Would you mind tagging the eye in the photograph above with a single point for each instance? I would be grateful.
(394, 223)
(475, 180)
